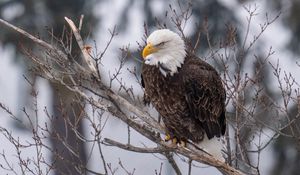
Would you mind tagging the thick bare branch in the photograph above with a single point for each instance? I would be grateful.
(40, 42)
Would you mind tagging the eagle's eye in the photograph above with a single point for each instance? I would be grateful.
(160, 44)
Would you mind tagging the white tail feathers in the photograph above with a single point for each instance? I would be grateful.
(213, 146)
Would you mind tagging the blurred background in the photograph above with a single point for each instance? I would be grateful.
(281, 157)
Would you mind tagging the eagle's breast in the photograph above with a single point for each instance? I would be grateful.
(166, 93)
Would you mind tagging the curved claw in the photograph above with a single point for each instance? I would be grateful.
(167, 137)
(175, 141)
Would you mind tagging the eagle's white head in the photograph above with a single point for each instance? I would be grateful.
(166, 50)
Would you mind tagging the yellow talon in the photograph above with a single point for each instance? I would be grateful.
(174, 141)
(167, 137)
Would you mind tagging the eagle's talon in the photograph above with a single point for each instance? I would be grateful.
(167, 137)
(174, 141)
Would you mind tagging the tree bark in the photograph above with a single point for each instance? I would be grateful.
(69, 150)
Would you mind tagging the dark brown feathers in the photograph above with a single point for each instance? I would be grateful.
(191, 102)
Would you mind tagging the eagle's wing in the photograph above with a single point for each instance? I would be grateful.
(142, 81)
(205, 97)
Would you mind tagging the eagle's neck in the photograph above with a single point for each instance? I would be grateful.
(170, 63)
(165, 70)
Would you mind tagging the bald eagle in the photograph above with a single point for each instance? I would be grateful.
(186, 91)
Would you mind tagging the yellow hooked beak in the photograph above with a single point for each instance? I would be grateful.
(149, 49)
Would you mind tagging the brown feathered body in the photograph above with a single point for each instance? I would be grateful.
(191, 102)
